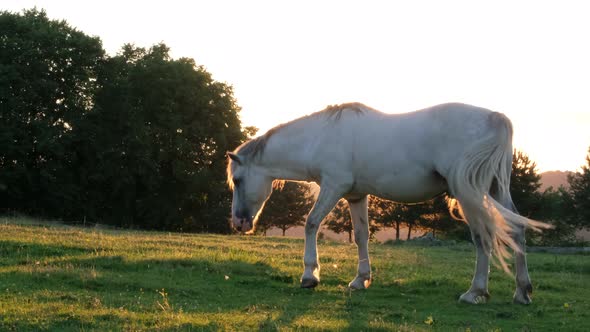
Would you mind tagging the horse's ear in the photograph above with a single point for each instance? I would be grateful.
(234, 157)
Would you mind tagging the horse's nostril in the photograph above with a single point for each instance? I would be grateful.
(242, 224)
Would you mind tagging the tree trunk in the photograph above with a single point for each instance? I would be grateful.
(284, 230)
(409, 231)
(349, 236)
(397, 230)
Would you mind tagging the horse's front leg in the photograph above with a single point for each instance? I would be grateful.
(327, 198)
(360, 222)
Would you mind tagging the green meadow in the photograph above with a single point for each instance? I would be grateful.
(60, 278)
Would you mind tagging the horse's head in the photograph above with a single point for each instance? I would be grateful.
(251, 187)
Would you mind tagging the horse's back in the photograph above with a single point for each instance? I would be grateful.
(409, 153)
(445, 128)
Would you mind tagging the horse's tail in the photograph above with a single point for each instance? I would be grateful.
(488, 161)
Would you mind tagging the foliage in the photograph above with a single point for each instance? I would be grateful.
(338, 220)
(48, 74)
(385, 214)
(554, 207)
(71, 279)
(430, 216)
(580, 195)
(157, 143)
(287, 207)
(434, 216)
(524, 185)
(136, 140)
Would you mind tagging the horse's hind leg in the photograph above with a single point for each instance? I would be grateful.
(476, 215)
(524, 288)
(478, 292)
(360, 222)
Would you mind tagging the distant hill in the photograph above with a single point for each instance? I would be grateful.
(554, 179)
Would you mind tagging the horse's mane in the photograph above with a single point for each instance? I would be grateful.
(255, 147)
(335, 111)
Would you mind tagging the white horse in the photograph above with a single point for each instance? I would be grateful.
(352, 150)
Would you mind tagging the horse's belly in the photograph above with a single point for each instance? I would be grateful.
(406, 187)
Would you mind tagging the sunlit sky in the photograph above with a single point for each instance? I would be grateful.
(527, 59)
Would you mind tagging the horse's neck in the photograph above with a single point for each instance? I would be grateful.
(286, 156)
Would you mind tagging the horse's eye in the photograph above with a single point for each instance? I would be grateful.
(237, 181)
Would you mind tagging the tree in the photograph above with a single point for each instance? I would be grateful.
(152, 151)
(385, 213)
(555, 207)
(250, 131)
(137, 140)
(431, 215)
(435, 217)
(580, 195)
(524, 185)
(552, 205)
(338, 220)
(417, 216)
(48, 76)
(287, 207)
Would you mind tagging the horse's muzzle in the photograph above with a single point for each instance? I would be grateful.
(242, 224)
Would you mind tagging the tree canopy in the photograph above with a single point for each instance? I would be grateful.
(137, 139)
(48, 77)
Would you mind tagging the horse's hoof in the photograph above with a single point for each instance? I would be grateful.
(309, 283)
(360, 283)
(522, 295)
(475, 297)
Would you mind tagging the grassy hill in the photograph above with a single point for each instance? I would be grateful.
(61, 278)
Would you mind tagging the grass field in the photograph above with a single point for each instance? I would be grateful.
(63, 278)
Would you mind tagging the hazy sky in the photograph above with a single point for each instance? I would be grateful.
(527, 59)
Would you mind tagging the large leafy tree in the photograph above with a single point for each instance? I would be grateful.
(153, 150)
(137, 140)
(48, 76)
(287, 207)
